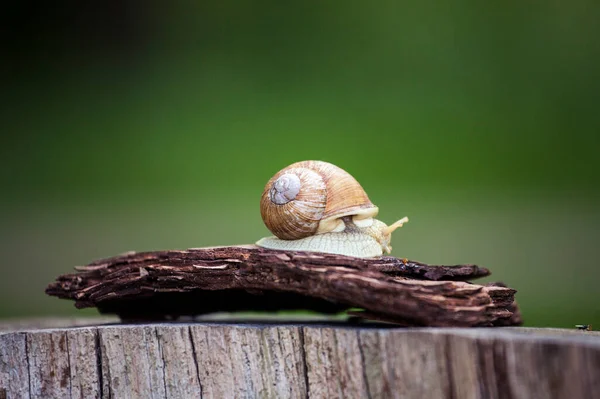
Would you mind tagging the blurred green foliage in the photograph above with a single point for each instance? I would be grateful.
(145, 126)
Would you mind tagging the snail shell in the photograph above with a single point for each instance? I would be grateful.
(316, 206)
(311, 197)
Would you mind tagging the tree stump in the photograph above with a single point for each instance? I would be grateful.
(228, 359)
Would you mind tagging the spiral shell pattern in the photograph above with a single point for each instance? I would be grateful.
(293, 203)
(298, 198)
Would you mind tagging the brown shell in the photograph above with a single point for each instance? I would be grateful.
(324, 192)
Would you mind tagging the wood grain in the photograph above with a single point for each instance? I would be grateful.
(230, 359)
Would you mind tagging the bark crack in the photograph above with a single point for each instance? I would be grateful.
(162, 356)
(450, 372)
(28, 363)
(69, 364)
(501, 370)
(149, 371)
(304, 360)
(363, 364)
(195, 359)
(99, 363)
(334, 356)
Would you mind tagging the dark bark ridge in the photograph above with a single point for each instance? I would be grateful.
(168, 284)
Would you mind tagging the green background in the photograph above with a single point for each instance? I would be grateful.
(137, 126)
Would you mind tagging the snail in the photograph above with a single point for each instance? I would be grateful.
(317, 206)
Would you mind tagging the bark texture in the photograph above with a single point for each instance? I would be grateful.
(227, 360)
(168, 284)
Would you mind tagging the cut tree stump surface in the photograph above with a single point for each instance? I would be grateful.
(295, 360)
(168, 284)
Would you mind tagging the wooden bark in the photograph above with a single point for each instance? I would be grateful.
(168, 284)
(245, 360)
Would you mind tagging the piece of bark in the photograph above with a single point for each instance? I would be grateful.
(168, 284)
(228, 359)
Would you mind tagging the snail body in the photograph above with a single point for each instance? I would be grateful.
(317, 206)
